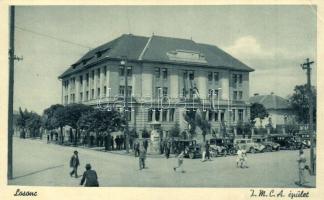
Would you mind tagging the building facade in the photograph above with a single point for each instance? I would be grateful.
(278, 108)
(166, 77)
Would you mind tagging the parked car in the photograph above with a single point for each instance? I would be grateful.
(285, 142)
(191, 148)
(249, 145)
(269, 145)
(221, 146)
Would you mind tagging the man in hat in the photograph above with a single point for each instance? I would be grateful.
(89, 177)
(74, 163)
(142, 157)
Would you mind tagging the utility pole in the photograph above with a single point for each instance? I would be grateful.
(12, 58)
(11, 84)
(307, 66)
(126, 132)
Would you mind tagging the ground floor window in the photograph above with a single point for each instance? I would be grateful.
(171, 114)
(240, 114)
(164, 115)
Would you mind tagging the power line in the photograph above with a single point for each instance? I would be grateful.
(52, 37)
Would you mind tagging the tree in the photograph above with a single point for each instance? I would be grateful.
(100, 121)
(204, 125)
(258, 111)
(175, 130)
(33, 124)
(21, 122)
(48, 116)
(74, 113)
(300, 105)
(190, 118)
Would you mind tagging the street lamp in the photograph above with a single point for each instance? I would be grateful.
(123, 63)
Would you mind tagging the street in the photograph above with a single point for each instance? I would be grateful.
(36, 163)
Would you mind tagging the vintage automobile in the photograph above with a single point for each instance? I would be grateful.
(286, 142)
(221, 146)
(191, 148)
(249, 145)
(269, 145)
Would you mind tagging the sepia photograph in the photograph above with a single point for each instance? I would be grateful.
(176, 96)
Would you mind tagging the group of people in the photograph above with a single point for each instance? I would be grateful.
(89, 177)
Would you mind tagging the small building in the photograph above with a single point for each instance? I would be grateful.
(280, 112)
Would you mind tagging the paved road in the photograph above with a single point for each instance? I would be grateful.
(39, 164)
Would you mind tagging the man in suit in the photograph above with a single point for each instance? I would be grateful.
(89, 177)
(74, 163)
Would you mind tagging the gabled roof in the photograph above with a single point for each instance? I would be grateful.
(271, 101)
(157, 49)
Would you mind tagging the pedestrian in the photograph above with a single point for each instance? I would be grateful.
(208, 151)
(117, 142)
(239, 158)
(167, 150)
(137, 148)
(74, 163)
(244, 158)
(142, 157)
(301, 168)
(89, 177)
(48, 138)
(51, 135)
(203, 149)
(145, 143)
(180, 162)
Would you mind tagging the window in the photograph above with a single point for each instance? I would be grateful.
(240, 114)
(216, 116)
(216, 76)
(157, 115)
(165, 91)
(105, 71)
(92, 75)
(87, 95)
(105, 91)
(129, 71)
(150, 115)
(191, 75)
(240, 77)
(165, 73)
(235, 95)
(210, 115)
(81, 80)
(185, 75)
(98, 92)
(129, 90)
(171, 114)
(121, 71)
(210, 76)
(98, 72)
(121, 90)
(92, 93)
(184, 92)
(157, 72)
(164, 115)
(240, 95)
(233, 114)
(129, 115)
(234, 78)
(81, 96)
(87, 79)
(222, 116)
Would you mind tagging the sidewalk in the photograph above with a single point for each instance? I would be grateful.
(101, 149)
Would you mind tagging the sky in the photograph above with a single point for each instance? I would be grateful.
(273, 40)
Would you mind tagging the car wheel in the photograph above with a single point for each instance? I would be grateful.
(191, 155)
(252, 150)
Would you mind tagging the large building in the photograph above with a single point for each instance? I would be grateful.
(164, 76)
